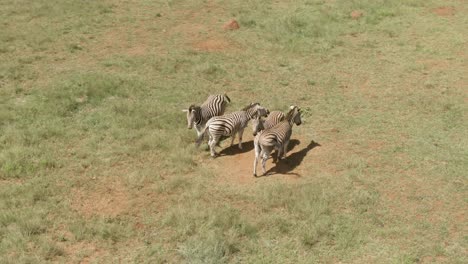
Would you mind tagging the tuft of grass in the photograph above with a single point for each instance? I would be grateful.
(109, 230)
(211, 247)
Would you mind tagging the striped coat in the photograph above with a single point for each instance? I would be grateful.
(197, 116)
(276, 137)
(270, 121)
(232, 124)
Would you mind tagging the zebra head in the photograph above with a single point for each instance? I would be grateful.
(193, 115)
(255, 109)
(257, 124)
(294, 115)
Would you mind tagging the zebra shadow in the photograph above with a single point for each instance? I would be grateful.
(234, 149)
(288, 164)
(248, 146)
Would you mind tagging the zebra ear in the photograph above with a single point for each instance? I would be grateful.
(185, 110)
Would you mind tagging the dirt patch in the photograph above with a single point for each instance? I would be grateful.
(356, 14)
(11, 181)
(413, 193)
(105, 198)
(444, 11)
(84, 252)
(431, 64)
(212, 45)
(121, 40)
(200, 31)
(377, 145)
(231, 25)
(202, 37)
(237, 165)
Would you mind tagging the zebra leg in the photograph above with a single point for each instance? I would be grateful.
(285, 148)
(279, 153)
(266, 153)
(200, 138)
(240, 132)
(210, 138)
(258, 151)
(233, 136)
(218, 144)
(212, 143)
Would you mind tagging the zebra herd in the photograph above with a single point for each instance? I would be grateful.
(272, 132)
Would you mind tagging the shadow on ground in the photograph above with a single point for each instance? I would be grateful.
(248, 146)
(287, 165)
(234, 149)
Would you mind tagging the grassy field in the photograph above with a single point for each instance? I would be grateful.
(97, 164)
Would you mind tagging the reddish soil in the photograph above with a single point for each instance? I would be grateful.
(10, 181)
(436, 65)
(231, 25)
(202, 32)
(237, 165)
(201, 37)
(90, 251)
(104, 198)
(356, 14)
(214, 44)
(444, 11)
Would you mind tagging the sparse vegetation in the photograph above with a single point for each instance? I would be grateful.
(96, 163)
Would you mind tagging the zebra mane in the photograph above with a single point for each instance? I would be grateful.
(292, 112)
(249, 106)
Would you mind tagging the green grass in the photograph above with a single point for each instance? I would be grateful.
(96, 162)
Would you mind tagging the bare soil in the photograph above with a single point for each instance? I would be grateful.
(444, 11)
(89, 252)
(214, 44)
(237, 165)
(104, 198)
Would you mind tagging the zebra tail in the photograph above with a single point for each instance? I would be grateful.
(206, 127)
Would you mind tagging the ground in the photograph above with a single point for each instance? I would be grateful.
(97, 164)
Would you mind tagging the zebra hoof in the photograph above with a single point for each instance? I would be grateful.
(255, 175)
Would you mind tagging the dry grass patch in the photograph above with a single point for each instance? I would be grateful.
(107, 198)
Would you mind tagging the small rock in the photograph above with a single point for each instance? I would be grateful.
(231, 25)
(356, 14)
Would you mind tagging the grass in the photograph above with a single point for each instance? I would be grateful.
(96, 162)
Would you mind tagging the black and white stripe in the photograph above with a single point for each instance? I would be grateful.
(197, 116)
(276, 137)
(230, 124)
(259, 124)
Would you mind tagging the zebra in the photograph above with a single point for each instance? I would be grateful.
(230, 124)
(258, 124)
(215, 105)
(275, 137)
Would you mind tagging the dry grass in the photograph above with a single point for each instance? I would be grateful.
(96, 163)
